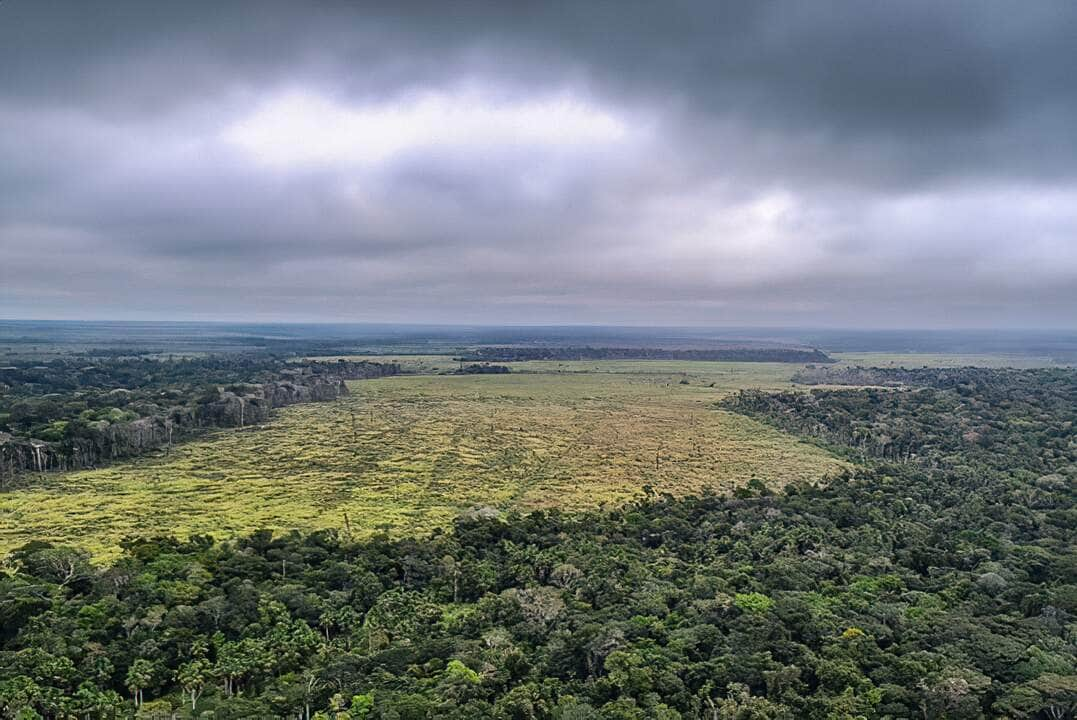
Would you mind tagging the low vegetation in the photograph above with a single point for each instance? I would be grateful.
(732, 353)
(410, 453)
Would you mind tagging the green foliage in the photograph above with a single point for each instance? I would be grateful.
(458, 672)
(972, 417)
(937, 586)
(41, 400)
(756, 603)
(362, 705)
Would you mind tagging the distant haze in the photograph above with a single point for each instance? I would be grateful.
(825, 164)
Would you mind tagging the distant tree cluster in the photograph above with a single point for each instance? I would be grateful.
(41, 400)
(482, 369)
(940, 378)
(67, 414)
(942, 586)
(1006, 419)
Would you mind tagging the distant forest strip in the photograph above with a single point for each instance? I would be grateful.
(732, 354)
(978, 407)
(67, 414)
(940, 378)
(939, 587)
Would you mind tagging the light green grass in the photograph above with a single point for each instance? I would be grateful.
(411, 452)
(934, 360)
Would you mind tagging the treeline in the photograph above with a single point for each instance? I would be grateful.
(66, 415)
(941, 589)
(941, 378)
(732, 354)
(482, 369)
(1006, 419)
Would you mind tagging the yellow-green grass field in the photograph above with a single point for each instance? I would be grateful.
(943, 360)
(408, 453)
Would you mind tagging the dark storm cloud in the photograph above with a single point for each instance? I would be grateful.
(828, 162)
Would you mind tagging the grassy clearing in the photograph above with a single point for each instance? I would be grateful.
(933, 360)
(726, 376)
(410, 452)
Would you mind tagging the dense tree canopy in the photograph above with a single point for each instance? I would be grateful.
(49, 400)
(938, 581)
(66, 415)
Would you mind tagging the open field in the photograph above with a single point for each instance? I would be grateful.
(916, 360)
(755, 372)
(726, 376)
(411, 452)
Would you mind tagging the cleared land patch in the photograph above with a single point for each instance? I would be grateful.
(933, 360)
(410, 452)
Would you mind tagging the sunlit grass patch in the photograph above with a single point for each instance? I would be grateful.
(411, 452)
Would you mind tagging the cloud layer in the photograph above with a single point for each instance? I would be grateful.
(829, 163)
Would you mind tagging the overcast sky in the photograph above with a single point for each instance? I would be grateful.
(795, 163)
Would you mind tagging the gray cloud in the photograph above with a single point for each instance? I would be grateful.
(761, 162)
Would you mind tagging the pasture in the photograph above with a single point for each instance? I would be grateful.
(409, 453)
